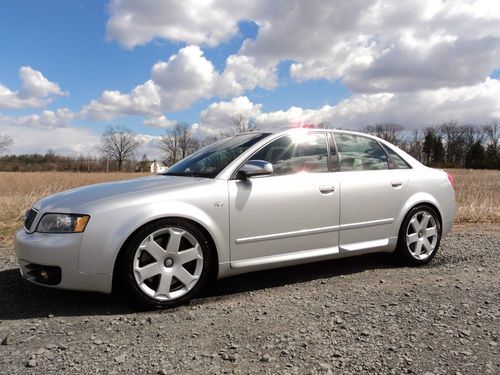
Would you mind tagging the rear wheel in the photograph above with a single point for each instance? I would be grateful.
(166, 263)
(419, 236)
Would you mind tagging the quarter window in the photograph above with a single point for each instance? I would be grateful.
(294, 154)
(397, 161)
(358, 153)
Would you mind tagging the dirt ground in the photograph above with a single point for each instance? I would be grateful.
(359, 315)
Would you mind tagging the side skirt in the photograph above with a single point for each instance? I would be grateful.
(227, 269)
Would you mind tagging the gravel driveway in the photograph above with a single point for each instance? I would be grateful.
(351, 316)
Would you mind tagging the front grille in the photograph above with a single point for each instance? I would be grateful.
(29, 218)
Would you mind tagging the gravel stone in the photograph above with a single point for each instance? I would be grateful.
(362, 315)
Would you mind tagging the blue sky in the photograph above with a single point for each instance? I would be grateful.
(147, 64)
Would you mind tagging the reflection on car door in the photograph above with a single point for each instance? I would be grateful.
(371, 193)
(293, 214)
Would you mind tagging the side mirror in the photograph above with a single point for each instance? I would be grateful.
(254, 168)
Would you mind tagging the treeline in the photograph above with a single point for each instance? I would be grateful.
(448, 145)
(54, 162)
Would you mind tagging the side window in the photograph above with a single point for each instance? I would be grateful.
(396, 161)
(358, 153)
(290, 155)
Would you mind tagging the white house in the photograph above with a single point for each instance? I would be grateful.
(158, 167)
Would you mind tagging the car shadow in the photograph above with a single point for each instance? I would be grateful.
(20, 299)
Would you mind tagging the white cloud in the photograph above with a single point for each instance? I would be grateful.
(242, 73)
(184, 78)
(218, 116)
(59, 118)
(143, 99)
(65, 140)
(136, 22)
(384, 45)
(475, 104)
(178, 83)
(158, 122)
(52, 130)
(35, 91)
(372, 46)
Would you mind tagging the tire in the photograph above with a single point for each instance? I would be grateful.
(166, 263)
(419, 236)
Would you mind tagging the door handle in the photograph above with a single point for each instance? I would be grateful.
(326, 189)
(396, 184)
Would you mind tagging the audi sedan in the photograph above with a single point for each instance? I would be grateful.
(250, 202)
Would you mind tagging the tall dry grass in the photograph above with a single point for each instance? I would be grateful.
(478, 194)
(19, 191)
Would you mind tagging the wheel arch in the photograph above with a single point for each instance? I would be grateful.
(213, 247)
(431, 203)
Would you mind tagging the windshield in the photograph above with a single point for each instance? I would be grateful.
(211, 160)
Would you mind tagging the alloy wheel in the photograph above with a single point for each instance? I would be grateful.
(422, 235)
(168, 263)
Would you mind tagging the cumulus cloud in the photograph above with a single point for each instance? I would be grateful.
(35, 91)
(372, 46)
(242, 73)
(184, 78)
(136, 22)
(475, 104)
(219, 115)
(143, 99)
(177, 83)
(159, 122)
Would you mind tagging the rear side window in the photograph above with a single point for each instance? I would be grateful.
(290, 155)
(358, 153)
(396, 161)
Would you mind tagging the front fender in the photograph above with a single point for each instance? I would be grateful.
(108, 231)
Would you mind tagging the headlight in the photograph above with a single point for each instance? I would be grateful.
(62, 223)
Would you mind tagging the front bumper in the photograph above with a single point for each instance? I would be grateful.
(36, 250)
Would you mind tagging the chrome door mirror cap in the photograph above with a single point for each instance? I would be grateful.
(255, 168)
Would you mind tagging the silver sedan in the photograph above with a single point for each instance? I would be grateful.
(250, 202)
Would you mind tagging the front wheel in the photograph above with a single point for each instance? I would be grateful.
(166, 263)
(419, 236)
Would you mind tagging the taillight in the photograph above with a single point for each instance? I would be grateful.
(450, 178)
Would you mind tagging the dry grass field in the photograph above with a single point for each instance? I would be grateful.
(478, 194)
(19, 191)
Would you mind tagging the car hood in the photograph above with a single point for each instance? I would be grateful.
(70, 201)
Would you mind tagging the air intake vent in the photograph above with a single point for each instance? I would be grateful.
(29, 218)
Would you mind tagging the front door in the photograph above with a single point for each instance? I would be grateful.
(294, 210)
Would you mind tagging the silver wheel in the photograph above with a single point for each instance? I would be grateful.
(422, 235)
(168, 263)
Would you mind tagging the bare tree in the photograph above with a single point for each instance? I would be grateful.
(412, 144)
(119, 143)
(454, 139)
(492, 134)
(388, 131)
(209, 140)
(178, 142)
(5, 142)
(242, 124)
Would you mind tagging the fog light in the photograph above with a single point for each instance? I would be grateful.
(47, 275)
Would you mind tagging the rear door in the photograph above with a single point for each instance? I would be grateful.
(372, 190)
